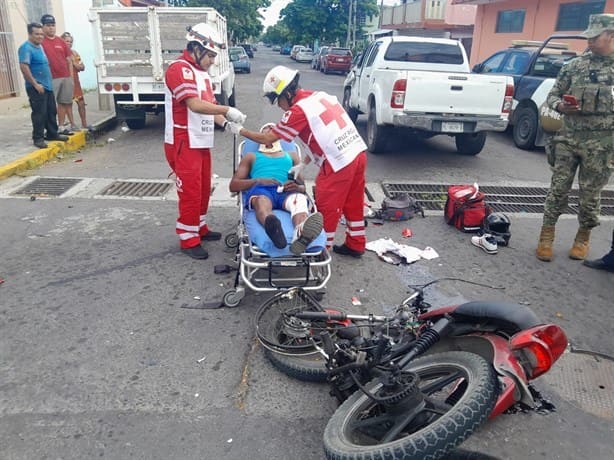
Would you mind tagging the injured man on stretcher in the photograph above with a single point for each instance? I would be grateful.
(263, 177)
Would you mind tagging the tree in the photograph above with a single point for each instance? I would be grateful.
(242, 16)
(325, 20)
(278, 34)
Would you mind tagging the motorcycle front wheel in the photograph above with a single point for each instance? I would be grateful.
(459, 391)
(279, 331)
(308, 368)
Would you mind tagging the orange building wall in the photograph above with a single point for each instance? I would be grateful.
(539, 23)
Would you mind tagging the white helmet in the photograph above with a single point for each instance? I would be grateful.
(206, 36)
(277, 80)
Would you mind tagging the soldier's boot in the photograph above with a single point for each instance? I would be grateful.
(579, 250)
(544, 247)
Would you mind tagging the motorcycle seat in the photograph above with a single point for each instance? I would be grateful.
(511, 317)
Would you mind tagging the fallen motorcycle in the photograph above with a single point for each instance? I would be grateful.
(417, 383)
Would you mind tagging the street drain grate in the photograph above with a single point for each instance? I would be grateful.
(141, 189)
(47, 186)
(586, 381)
(503, 199)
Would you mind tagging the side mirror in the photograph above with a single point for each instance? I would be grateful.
(477, 68)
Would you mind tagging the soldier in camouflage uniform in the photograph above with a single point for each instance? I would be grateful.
(586, 140)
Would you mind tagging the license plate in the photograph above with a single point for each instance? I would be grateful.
(451, 126)
(340, 60)
(158, 86)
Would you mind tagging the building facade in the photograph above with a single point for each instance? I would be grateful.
(431, 18)
(14, 18)
(498, 22)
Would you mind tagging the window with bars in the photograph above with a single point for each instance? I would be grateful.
(36, 8)
(574, 16)
(8, 64)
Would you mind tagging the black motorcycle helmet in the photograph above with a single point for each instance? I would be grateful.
(498, 225)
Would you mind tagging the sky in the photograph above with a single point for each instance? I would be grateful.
(271, 14)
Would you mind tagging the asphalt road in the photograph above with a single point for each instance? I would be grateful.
(99, 359)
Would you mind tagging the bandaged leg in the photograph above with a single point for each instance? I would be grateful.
(296, 204)
(306, 228)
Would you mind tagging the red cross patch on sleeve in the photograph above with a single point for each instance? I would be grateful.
(187, 73)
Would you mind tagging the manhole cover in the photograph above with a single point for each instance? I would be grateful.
(47, 186)
(586, 381)
(500, 198)
(137, 188)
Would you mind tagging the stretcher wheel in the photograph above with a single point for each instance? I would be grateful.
(318, 295)
(233, 297)
(231, 240)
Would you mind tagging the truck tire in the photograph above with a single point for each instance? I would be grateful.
(470, 143)
(231, 100)
(221, 98)
(136, 123)
(353, 113)
(525, 128)
(377, 135)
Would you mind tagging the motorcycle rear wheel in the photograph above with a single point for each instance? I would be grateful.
(460, 391)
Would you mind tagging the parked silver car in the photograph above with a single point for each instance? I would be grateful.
(315, 62)
(304, 55)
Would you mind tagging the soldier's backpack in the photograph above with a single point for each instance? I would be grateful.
(465, 207)
(402, 207)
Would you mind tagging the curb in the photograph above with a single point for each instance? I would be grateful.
(38, 157)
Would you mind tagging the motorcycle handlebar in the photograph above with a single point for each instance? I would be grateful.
(338, 316)
(324, 315)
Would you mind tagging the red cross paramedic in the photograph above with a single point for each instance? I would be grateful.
(191, 112)
(334, 145)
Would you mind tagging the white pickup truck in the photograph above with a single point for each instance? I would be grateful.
(134, 47)
(425, 86)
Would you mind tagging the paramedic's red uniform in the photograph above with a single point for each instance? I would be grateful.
(189, 156)
(339, 184)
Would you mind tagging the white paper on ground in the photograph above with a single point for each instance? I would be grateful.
(409, 253)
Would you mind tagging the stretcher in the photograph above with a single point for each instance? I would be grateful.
(261, 266)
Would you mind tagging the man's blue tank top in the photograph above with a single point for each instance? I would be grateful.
(265, 167)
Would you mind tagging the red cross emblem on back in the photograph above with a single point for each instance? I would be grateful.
(332, 112)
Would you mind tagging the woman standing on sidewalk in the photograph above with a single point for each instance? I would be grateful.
(78, 92)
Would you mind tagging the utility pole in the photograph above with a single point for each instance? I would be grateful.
(349, 31)
(355, 27)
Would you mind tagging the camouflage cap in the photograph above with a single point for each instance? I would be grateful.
(599, 23)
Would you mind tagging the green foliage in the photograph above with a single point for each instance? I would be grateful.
(325, 20)
(241, 15)
(302, 21)
(277, 34)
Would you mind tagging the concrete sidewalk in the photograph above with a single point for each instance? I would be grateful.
(18, 153)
